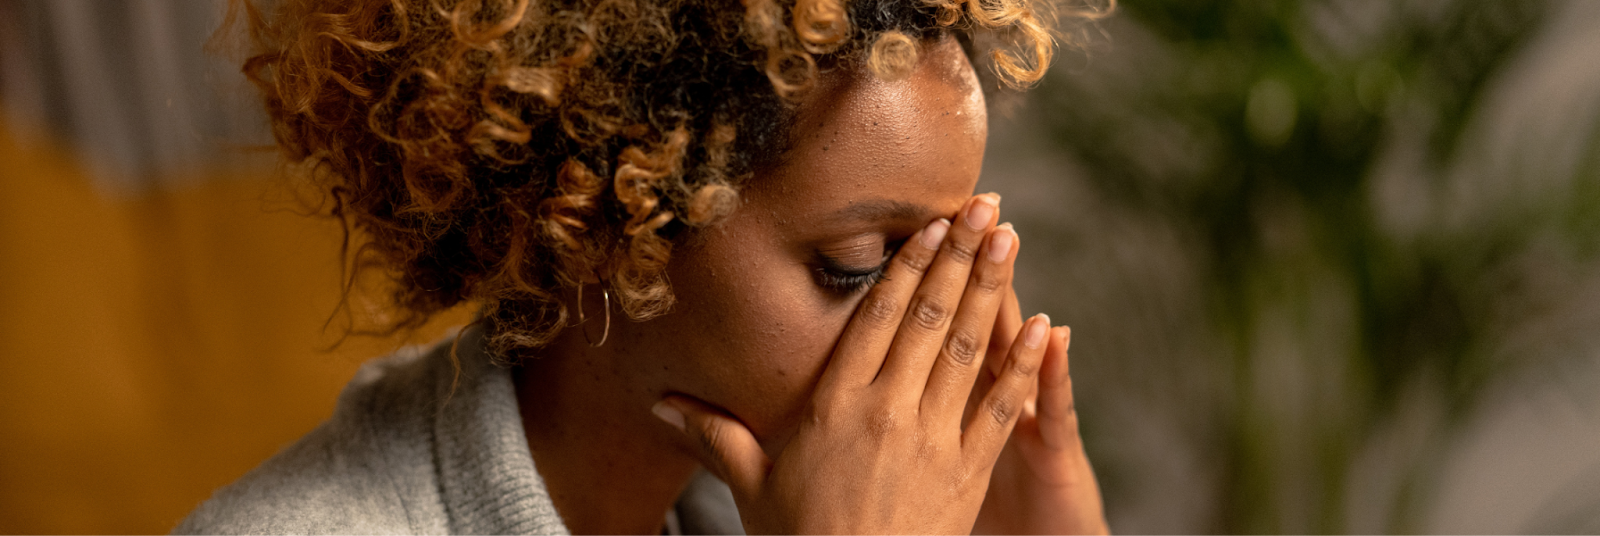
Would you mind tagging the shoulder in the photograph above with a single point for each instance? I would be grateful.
(368, 469)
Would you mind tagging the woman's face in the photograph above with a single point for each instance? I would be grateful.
(764, 295)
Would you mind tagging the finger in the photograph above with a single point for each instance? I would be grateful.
(981, 387)
(859, 354)
(723, 444)
(1006, 326)
(991, 423)
(1058, 415)
(928, 315)
(959, 361)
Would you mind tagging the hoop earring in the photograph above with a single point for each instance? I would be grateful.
(581, 318)
(606, 296)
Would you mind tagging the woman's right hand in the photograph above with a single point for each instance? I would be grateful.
(885, 446)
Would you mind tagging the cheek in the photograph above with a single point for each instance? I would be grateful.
(762, 330)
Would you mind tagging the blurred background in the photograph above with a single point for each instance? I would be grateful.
(162, 294)
(1332, 265)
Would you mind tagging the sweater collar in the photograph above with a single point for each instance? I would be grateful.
(489, 482)
(487, 473)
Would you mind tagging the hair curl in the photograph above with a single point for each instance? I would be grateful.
(500, 151)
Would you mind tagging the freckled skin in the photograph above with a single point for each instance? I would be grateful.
(752, 329)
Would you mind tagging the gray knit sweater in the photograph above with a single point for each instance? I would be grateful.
(402, 453)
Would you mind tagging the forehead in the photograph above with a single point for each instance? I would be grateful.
(856, 139)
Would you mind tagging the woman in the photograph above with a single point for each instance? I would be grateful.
(702, 236)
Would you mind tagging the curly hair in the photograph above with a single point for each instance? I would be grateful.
(501, 151)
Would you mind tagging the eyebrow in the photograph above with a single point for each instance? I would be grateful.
(882, 209)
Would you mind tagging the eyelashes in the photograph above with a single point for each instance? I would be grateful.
(836, 277)
(847, 282)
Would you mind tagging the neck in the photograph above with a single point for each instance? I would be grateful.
(604, 458)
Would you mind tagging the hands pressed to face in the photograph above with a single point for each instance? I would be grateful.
(940, 411)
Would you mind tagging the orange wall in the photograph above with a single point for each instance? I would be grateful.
(155, 347)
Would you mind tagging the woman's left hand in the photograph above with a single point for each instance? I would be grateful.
(1042, 483)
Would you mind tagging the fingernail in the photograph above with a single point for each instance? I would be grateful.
(933, 234)
(668, 413)
(1036, 331)
(981, 211)
(1000, 243)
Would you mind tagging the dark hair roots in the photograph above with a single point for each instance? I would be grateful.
(500, 151)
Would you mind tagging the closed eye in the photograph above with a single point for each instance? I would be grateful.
(845, 280)
(849, 283)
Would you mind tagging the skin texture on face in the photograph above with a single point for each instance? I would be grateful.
(871, 164)
(762, 296)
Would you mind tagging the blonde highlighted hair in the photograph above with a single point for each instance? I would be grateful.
(502, 151)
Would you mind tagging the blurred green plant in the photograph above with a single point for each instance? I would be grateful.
(1274, 134)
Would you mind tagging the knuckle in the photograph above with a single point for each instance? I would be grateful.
(963, 478)
(878, 310)
(961, 347)
(960, 251)
(836, 409)
(916, 263)
(884, 424)
(1022, 368)
(1000, 409)
(820, 415)
(711, 436)
(989, 281)
(929, 313)
(928, 449)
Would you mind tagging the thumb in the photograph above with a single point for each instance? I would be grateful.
(723, 444)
